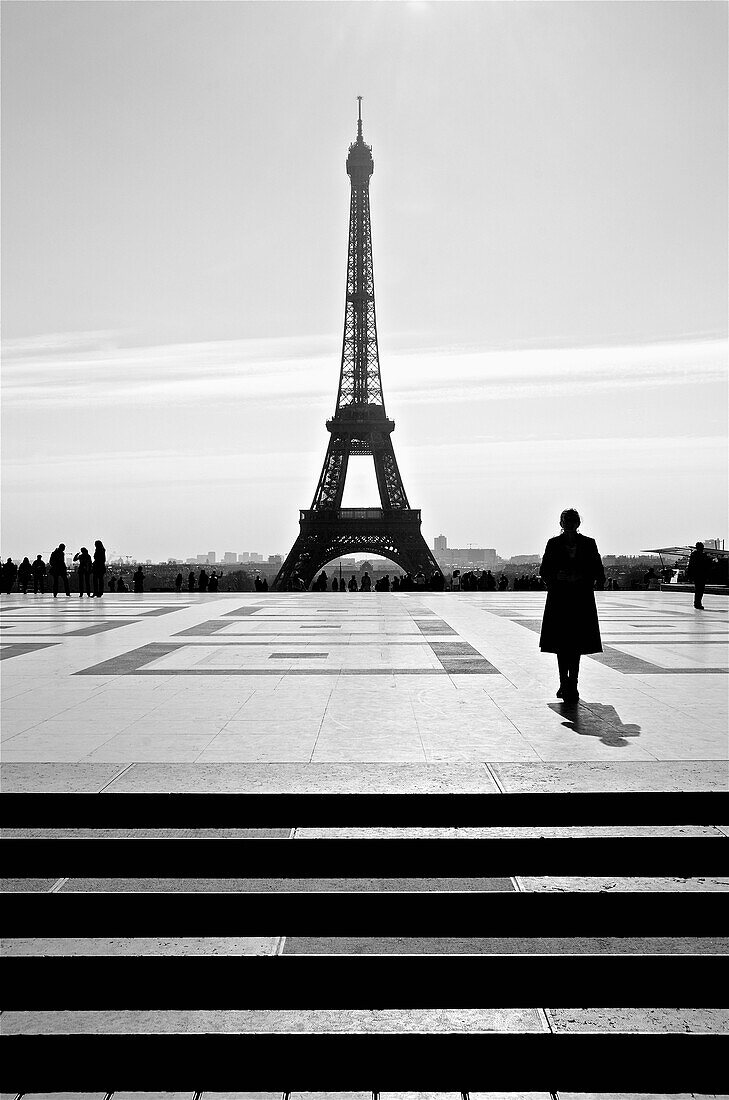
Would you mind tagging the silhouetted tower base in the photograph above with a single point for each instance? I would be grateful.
(359, 426)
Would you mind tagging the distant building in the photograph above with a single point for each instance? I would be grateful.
(230, 558)
(244, 557)
(255, 557)
(479, 556)
(525, 559)
(440, 544)
(202, 559)
(211, 557)
(274, 559)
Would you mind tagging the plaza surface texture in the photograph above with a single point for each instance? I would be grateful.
(377, 692)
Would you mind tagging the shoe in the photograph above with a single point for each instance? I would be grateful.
(571, 695)
(698, 607)
(560, 692)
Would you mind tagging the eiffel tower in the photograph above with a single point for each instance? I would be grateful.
(359, 426)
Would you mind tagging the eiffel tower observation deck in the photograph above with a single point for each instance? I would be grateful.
(360, 425)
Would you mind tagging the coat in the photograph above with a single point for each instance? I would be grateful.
(570, 615)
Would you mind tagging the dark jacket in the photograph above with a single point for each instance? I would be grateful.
(57, 563)
(699, 566)
(570, 616)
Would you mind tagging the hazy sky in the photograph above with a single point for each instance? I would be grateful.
(549, 212)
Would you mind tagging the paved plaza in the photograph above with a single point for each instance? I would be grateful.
(97, 694)
(422, 692)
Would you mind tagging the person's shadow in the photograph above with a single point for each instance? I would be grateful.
(597, 720)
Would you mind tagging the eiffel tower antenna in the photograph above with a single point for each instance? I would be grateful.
(359, 426)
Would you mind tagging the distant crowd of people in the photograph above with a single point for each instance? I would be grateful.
(406, 583)
(90, 572)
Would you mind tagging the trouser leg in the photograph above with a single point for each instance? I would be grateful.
(66, 584)
(699, 593)
(55, 584)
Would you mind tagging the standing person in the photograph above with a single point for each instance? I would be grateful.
(39, 575)
(178, 583)
(98, 568)
(352, 586)
(571, 567)
(84, 572)
(213, 582)
(138, 579)
(191, 581)
(112, 584)
(57, 567)
(10, 572)
(699, 565)
(366, 583)
(202, 581)
(25, 575)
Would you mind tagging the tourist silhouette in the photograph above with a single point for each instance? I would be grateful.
(191, 582)
(178, 582)
(121, 586)
(138, 579)
(366, 583)
(57, 568)
(202, 581)
(84, 572)
(39, 575)
(25, 576)
(571, 567)
(335, 585)
(98, 568)
(699, 565)
(10, 572)
(112, 584)
(213, 582)
(352, 586)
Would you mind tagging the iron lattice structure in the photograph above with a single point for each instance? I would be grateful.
(360, 425)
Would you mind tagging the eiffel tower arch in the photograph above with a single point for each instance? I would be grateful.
(360, 425)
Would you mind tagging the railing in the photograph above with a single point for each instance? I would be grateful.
(523, 1061)
(411, 514)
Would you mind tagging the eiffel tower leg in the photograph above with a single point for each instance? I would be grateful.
(389, 482)
(303, 559)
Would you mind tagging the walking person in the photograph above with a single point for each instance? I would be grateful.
(84, 572)
(58, 571)
(699, 565)
(571, 569)
(98, 568)
(39, 575)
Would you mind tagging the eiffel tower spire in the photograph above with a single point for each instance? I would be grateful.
(360, 425)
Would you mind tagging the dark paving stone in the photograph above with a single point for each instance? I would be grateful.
(19, 649)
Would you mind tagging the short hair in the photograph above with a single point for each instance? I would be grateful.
(699, 546)
(572, 514)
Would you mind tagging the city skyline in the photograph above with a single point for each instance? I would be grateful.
(549, 226)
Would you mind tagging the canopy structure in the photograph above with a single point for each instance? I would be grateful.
(684, 551)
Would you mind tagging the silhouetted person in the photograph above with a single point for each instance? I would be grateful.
(699, 565)
(366, 582)
(10, 572)
(57, 569)
(264, 585)
(138, 579)
(84, 572)
(202, 581)
(352, 586)
(112, 584)
(335, 585)
(396, 583)
(191, 582)
(213, 582)
(25, 576)
(39, 575)
(121, 586)
(503, 583)
(257, 583)
(98, 568)
(320, 584)
(178, 583)
(571, 567)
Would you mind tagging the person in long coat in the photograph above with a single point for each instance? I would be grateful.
(84, 572)
(571, 569)
(98, 568)
(699, 565)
